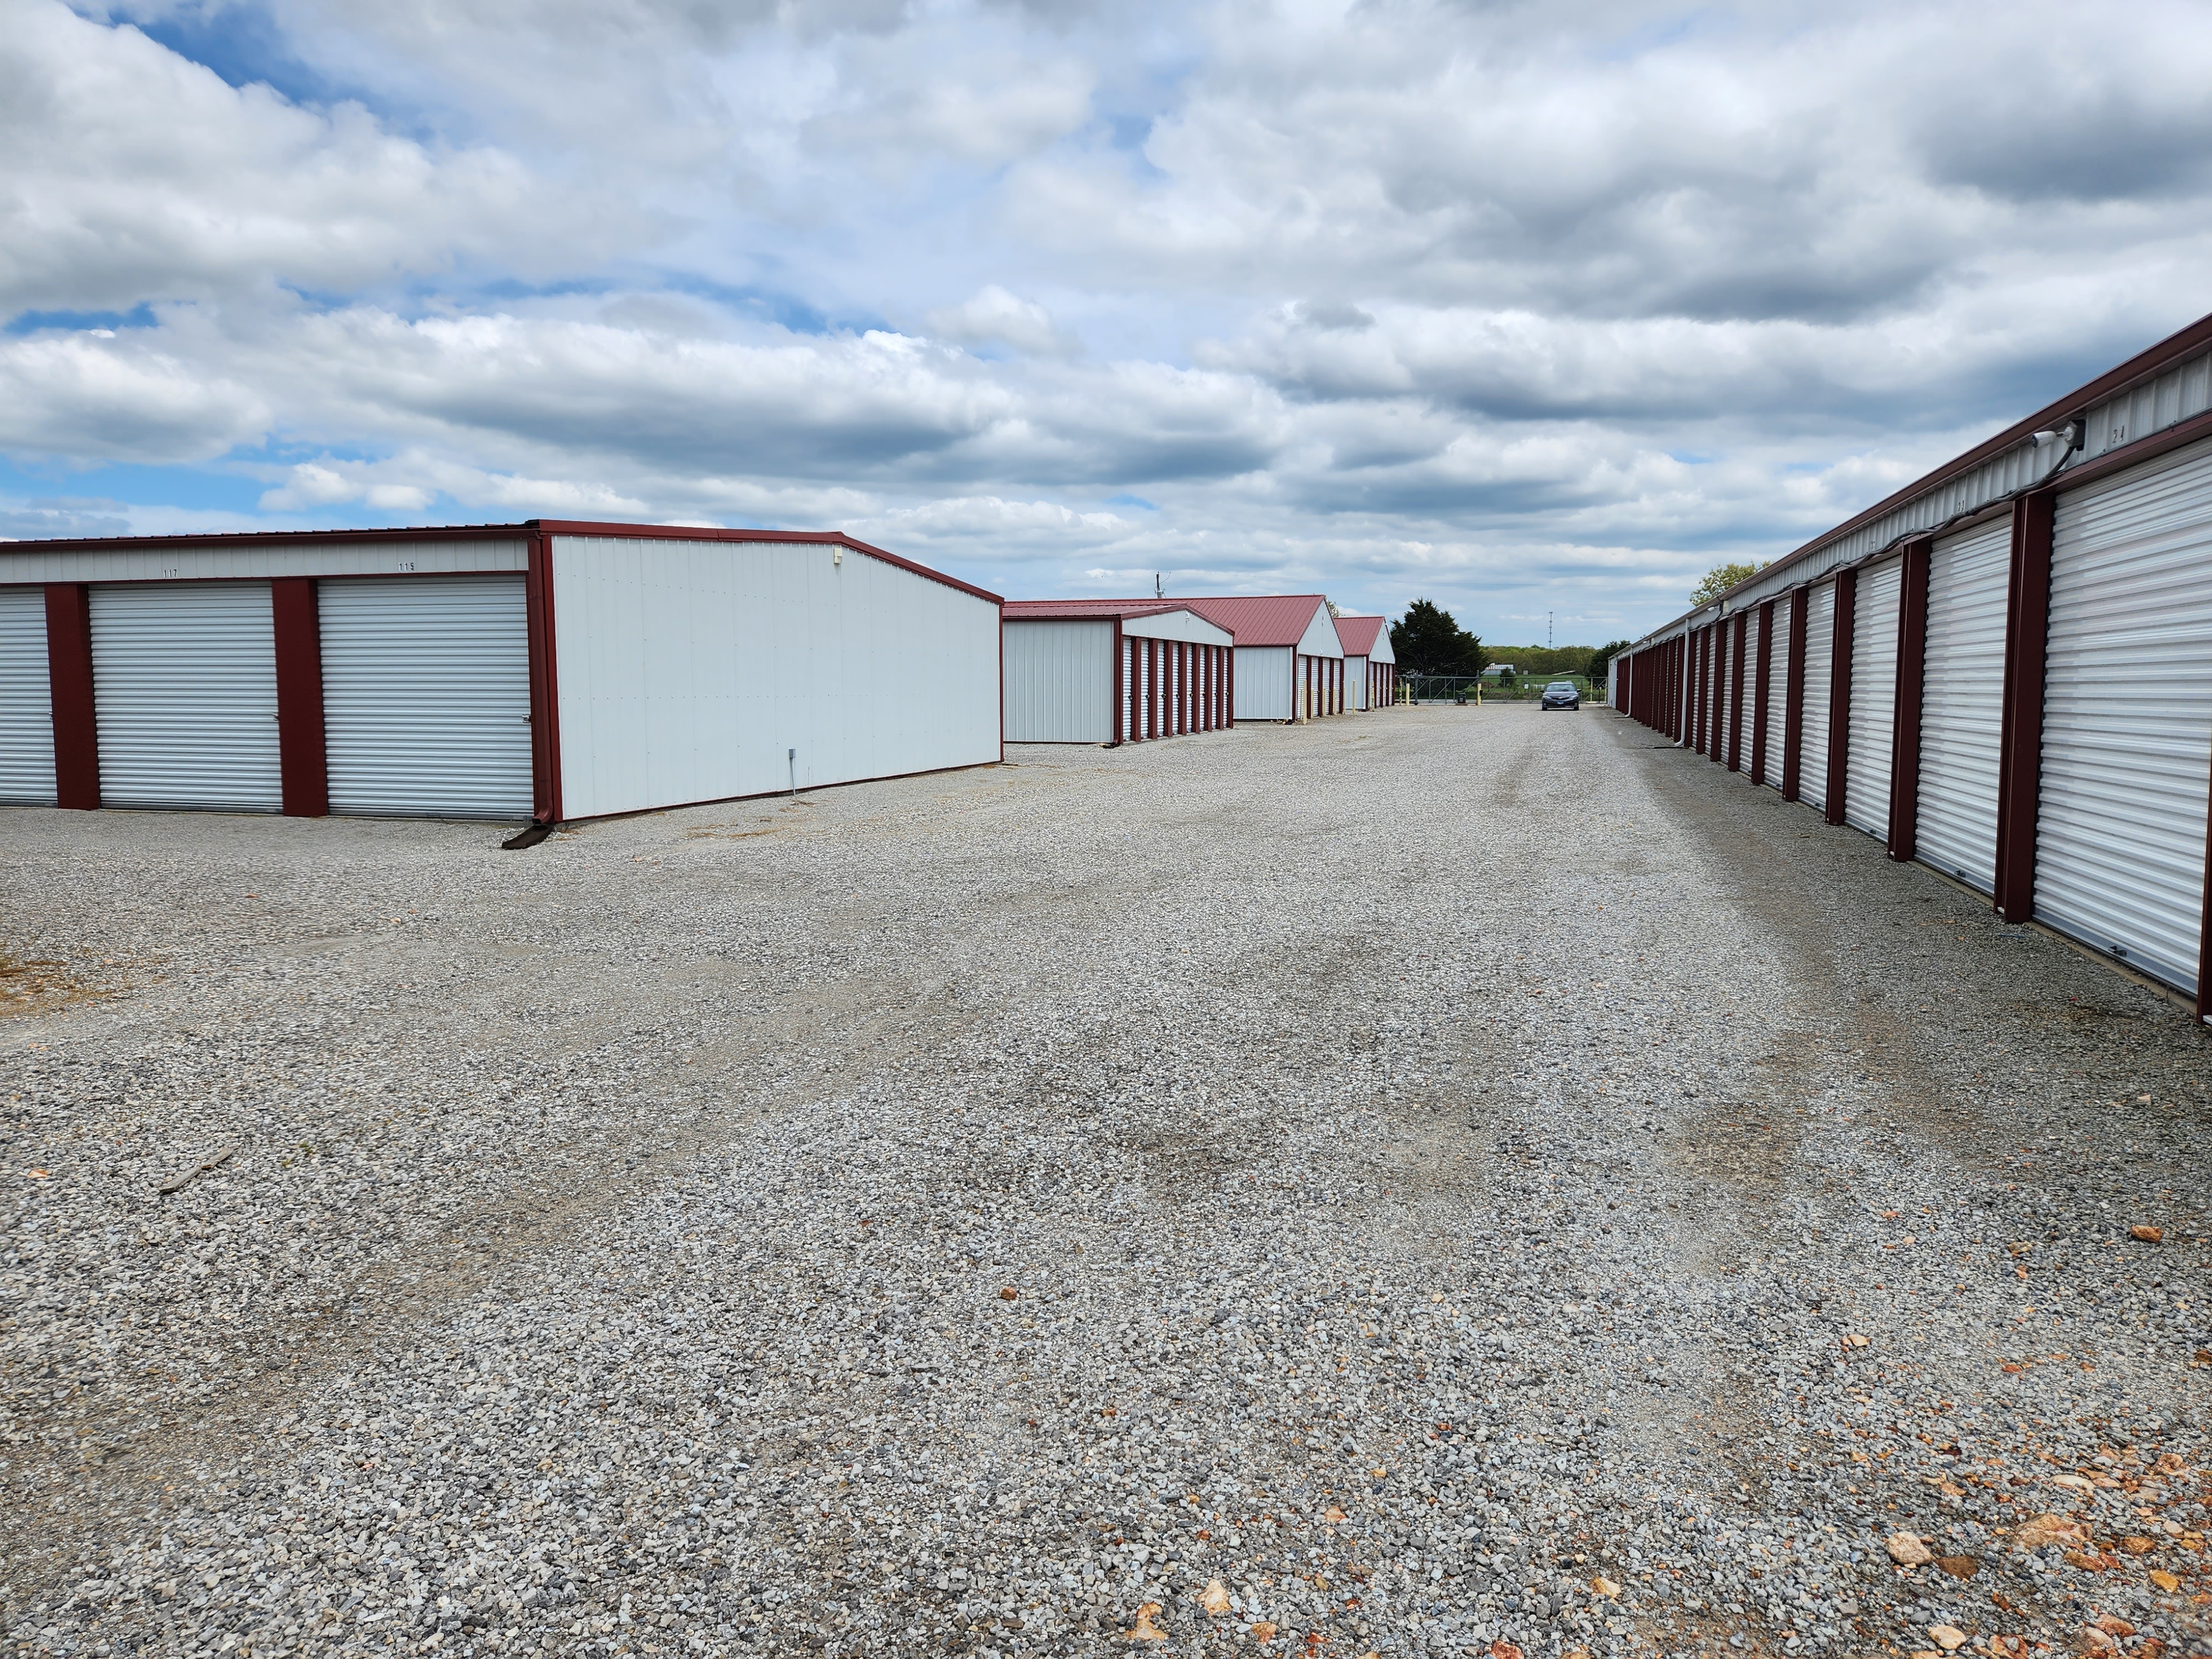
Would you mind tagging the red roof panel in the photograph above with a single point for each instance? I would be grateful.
(1357, 633)
(1087, 610)
(1261, 619)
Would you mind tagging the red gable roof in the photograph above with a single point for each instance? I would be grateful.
(1268, 619)
(1087, 610)
(1357, 633)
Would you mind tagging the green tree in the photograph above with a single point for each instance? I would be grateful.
(1723, 577)
(1601, 659)
(1426, 640)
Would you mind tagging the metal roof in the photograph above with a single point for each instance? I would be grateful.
(1357, 634)
(2158, 395)
(1088, 610)
(1264, 619)
(657, 532)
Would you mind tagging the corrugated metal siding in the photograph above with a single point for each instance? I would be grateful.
(1747, 718)
(1186, 625)
(1871, 734)
(26, 700)
(216, 561)
(1962, 703)
(1263, 683)
(184, 696)
(1059, 682)
(426, 696)
(2175, 395)
(2126, 720)
(1812, 738)
(1778, 693)
(1723, 669)
(686, 669)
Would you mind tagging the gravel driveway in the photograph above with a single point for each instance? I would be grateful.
(1448, 1181)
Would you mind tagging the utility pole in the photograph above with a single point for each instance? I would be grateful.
(1159, 592)
(1547, 630)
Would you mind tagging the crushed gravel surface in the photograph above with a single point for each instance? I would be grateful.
(1439, 1183)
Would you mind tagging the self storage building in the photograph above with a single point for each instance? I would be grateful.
(1370, 667)
(1290, 663)
(548, 670)
(1115, 671)
(2004, 670)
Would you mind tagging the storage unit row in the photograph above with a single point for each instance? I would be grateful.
(546, 670)
(2020, 698)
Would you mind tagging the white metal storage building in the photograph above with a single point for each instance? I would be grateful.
(1290, 663)
(1370, 667)
(1114, 671)
(547, 671)
(2004, 670)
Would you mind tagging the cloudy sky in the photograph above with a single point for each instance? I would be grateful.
(1522, 307)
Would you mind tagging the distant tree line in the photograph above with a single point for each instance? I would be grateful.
(1428, 639)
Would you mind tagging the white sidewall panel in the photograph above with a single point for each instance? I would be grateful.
(1059, 682)
(1778, 693)
(184, 678)
(1812, 734)
(1962, 704)
(1747, 720)
(687, 670)
(426, 696)
(1263, 682)
(26, 700)
(1872, 734)
(2127, 715)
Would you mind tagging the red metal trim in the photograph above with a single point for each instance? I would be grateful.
(1840, 691)
(539, 612)
(527, 530)
(1002, 684)
(771, 794)
(1905, 730)
(303, 764)
(69, 679)
(1762, 699)
(2182, 433)
(1114, 682)
(662, 532)
(1735, 695)
(1793, 700)
(1229, 653)
(2144, 365)
(2019, 760)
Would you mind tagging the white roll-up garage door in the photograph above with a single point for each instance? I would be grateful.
(26, 700)
(184, 681)
(1777, 691)
(1747, 716)
(426, 695)
(1962, 703)
(2127, 715)
(1813, 734)
(1872, 734)
(1716, 734)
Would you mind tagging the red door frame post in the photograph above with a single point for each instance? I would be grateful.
(1839, 692)
(303, 764)
(1762, 697)
(1904, 729)
(1734, 744)
(2019, 759)
(69, 681)
(1113, 692)
(545, 699)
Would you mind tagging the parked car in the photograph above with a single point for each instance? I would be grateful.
(1561, 694)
